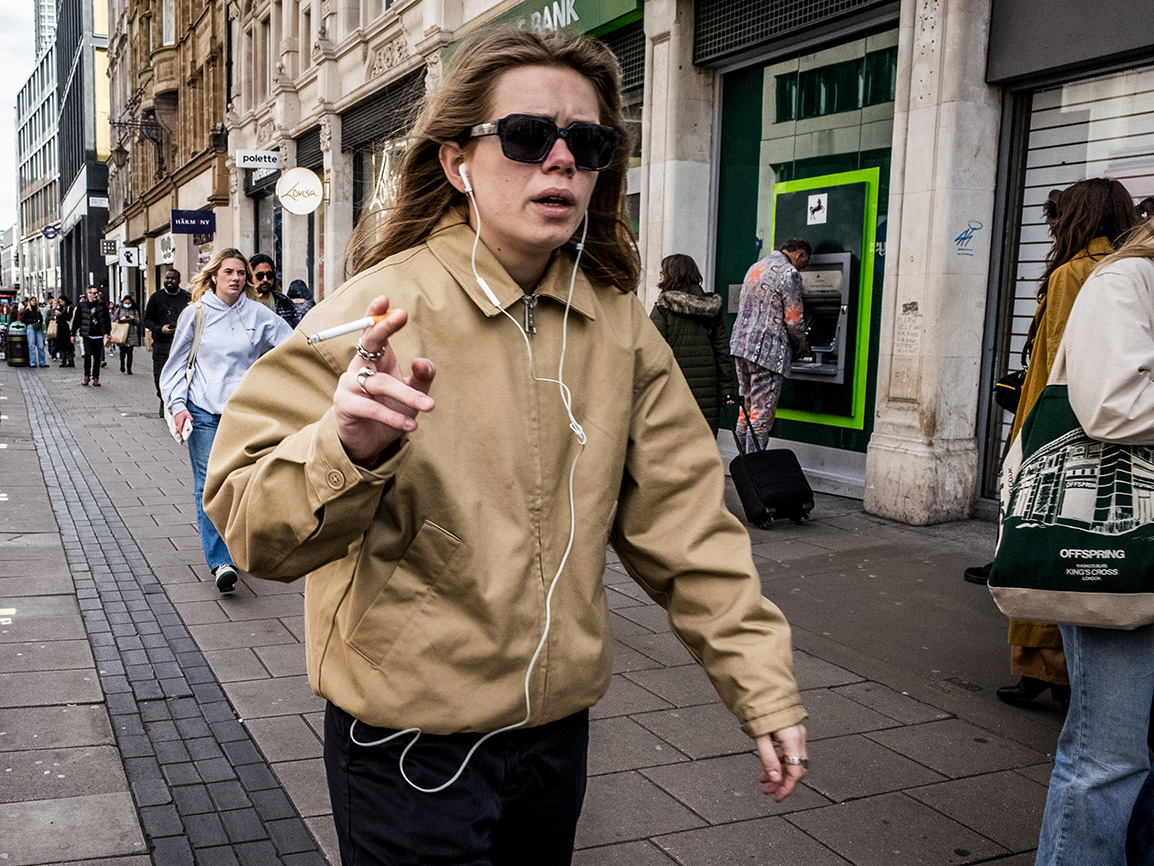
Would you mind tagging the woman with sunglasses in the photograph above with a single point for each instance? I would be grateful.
(456, 613)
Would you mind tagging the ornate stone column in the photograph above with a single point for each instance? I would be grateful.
(922, 462)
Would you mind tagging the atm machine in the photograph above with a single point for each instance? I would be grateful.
(825, 288)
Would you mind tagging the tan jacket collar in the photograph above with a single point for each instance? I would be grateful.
(452, 243)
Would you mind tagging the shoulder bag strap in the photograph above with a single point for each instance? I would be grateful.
(197, 330)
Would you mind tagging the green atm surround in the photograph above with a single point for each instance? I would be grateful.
(849, 227)
(737, 245)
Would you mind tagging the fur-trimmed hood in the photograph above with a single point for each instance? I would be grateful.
(690, 304)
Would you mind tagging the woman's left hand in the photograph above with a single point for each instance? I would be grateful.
(779, 779)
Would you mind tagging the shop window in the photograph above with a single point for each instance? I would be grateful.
(849, 85)
(267, 213)
(881, 76)
(376, 172)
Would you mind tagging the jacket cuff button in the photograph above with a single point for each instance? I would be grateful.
(336, 480)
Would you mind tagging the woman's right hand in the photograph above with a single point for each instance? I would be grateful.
(374, 415)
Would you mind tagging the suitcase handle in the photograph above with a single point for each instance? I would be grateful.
(748, 423)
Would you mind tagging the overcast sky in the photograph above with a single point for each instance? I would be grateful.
(17, 60)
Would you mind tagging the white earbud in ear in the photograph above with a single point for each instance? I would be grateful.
(489, 293)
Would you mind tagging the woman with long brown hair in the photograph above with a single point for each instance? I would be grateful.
(456, 614)
(237, 329)
(1091, 217)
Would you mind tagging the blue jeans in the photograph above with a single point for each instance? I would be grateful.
(1101, 787)
(204, 426)
(36, 348)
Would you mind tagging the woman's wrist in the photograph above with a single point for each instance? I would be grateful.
(372, 463)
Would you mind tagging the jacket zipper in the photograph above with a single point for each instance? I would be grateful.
(530, 302)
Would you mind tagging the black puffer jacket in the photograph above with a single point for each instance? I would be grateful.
(691, 323)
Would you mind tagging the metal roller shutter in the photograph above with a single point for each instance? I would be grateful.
(1095, 127)
(384, 115)
(309, 154)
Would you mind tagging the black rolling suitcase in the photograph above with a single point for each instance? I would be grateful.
(771, 485)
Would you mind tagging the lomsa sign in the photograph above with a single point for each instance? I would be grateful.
(300, 191)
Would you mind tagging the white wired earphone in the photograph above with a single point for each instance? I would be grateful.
(579, 432)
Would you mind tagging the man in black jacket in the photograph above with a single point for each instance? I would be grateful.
(91, 322)
(160, 315)
(264, 272)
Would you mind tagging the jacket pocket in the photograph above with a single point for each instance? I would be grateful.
(393, 601)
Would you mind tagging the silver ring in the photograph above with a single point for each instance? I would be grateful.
(794, 761)
(363, 376)
(367, 355)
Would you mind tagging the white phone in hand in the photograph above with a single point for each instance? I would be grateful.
(186, 430)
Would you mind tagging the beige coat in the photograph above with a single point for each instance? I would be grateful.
(1107, 354)
(427, 584)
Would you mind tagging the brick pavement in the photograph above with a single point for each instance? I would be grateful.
(167, 705)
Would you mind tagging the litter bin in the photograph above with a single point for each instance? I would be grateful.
(17, 345)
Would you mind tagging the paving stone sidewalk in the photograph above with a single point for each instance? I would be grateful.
(181, 720)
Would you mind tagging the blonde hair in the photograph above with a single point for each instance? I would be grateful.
(205, 281)
(424, 194)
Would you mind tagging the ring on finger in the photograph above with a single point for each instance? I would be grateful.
(363, 376)
(367, 355)
(794, 761)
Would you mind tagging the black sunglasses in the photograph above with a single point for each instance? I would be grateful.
(528, 138)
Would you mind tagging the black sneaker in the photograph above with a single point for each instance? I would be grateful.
(225, 577)
(978, 573)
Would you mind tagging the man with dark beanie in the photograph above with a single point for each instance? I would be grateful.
(160, 315)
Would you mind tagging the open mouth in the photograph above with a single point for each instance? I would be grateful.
(555, 198)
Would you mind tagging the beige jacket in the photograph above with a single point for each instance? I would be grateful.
(427, 580)
(1107, 354)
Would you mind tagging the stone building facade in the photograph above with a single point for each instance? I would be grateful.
(37, 242)
(168, 75)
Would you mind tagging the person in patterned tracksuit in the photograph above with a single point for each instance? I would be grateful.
(769, 331)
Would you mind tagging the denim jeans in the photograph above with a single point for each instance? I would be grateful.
(204, 426)
(36, 348)
(1102, 766)
(516, 804)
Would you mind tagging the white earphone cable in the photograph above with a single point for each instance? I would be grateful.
(579, 432)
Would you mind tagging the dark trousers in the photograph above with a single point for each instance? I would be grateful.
(160, 352)
(516, 804)
(93, 355)
(126, 359)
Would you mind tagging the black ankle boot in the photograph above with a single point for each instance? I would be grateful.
(1023, 691)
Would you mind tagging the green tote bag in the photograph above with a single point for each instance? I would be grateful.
(1076, 535)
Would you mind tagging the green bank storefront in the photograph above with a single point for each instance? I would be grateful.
(803, 151)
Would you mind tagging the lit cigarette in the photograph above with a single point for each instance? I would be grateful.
(341, 330)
